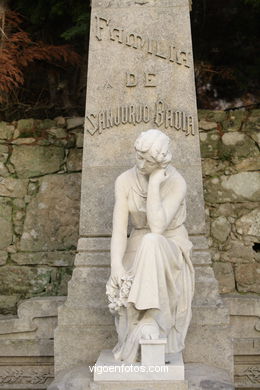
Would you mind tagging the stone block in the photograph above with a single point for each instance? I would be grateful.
(6, 130)
(13, 188)
(74, 122)
(201, 346)
(52, 216)
(24, 280)
(236, 144)
(3, 257)
(8, 304)
(225, 276)
(81, 344)
(74, 160)
(26, 126)
(3, 170)
(4, 151)
(248, 277)
(220, 229)
(55, 259)
(45, 160)
(209, 144)
(6, 235)
(206, 287)
(248, 164)
(243, 186)
(249, 224)
(206, 377)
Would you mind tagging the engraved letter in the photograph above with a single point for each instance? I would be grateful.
(109, 119)
(184, 58)
(124, 111)
(116, 33)
(149, 80)
(146, 114)
(94, 127)
(101, 121)
(117, 118)
(132, 114)
(177, 120)
(159, 113)
(191, 124)
(99, 27)
(131, 79)
(158, 53)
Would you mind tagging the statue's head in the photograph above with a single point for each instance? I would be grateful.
(152, 151)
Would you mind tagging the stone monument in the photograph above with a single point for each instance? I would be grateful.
(140, 76)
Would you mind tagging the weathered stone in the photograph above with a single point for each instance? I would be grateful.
(8, 304)
(57, 132)
(3, 170)
(60, 121)
(30, 161)
(248, 277)
(25, 280)
(13, 188)
(24, 125)
(236, 144)
(3, 257)
(79, 138)
(23, 141)
(210, 167)
(6, 130)
(214, 116)
(209, 144)
(249, 164)
(74, 161)
(249, 224)
(46, 124)
(205, 125)
(253, 122)
(51, 221)
(239, 250)
(6, 235)
(225, 276)
(220, 229)
(72, 123)
(235, 120)
(204, 377)
(234, 188)
(4, 150)
(57, 259)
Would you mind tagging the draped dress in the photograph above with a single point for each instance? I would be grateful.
(159, 273)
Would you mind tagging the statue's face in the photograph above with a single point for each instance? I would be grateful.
(145, 163)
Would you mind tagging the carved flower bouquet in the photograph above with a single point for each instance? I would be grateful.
(117, 296)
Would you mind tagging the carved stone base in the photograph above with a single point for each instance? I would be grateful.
(107, 369)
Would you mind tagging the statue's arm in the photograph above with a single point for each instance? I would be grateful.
(161, 212)
(119, 232)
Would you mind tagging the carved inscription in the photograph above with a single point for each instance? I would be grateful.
(147, 79)
(161, 115)
(107, 30)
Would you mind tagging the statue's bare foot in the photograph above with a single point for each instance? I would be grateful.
(150, 331)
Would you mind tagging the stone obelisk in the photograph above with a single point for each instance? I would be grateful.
(140, 76)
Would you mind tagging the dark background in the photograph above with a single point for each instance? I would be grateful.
(225, 43)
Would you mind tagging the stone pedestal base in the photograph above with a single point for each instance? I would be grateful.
(107, 369)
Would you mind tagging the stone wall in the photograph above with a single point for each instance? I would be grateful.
(40, 164)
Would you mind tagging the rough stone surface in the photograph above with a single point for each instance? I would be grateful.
(8, 304)
(5, 223)
(74, 122)
(249, 224)
(74, 162)
(6, 130)
(13, 188)
(52, 215)
(248, 277)
(36, 161)
(57, 258)
(225, 276)
(25, 280)
(220, 229)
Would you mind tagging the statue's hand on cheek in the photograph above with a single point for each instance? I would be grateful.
(158, 176)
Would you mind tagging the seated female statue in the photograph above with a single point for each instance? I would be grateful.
(152, 278)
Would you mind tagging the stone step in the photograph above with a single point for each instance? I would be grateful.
(197, 377)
